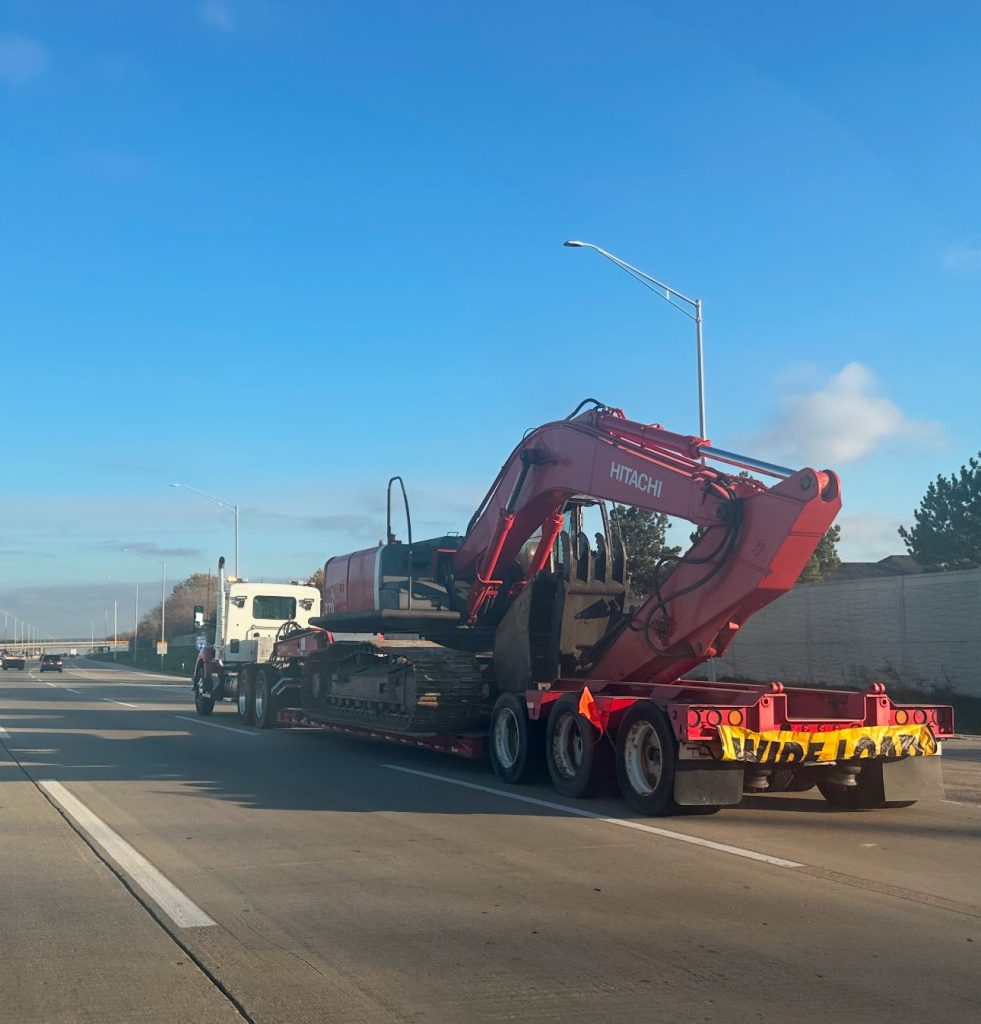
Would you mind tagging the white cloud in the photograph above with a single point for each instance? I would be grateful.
(870, 536)
(963, 259)
(217, 14)
(841, 421)
(21, 59)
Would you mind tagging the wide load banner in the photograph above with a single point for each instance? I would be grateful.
(788, 747)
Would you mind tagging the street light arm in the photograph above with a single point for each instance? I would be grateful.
(227, 505)
(623, 265)
(665, 292)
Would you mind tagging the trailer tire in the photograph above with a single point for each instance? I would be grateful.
(646, 759)
(578, 756)
(517, 745)
(244, 700)
(203, 705)
(264, 704)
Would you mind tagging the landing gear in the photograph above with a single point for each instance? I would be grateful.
(516, 742)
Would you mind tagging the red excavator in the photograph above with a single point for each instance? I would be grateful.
(524, 627)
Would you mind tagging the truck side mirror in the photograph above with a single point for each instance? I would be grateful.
(198, 616)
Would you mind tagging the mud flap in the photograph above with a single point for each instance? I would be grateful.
(708, 785)
(911, 778)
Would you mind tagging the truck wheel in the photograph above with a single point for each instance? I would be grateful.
(203, 705)
(579, 758)
(646, 759)
(516, 742)
(244, 703)
(263, 702)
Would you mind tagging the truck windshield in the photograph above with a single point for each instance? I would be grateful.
(279, 609)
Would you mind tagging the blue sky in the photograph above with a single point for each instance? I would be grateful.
(280, 251)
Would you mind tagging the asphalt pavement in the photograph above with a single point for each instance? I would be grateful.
(158, 866)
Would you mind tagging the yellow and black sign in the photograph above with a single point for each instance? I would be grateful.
(787, 747)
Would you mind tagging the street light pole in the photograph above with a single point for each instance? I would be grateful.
(669, 294)
(221, 503)
(163, 594)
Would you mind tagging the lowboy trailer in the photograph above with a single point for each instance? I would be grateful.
(519, 636)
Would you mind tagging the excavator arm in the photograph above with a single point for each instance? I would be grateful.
(753, 543)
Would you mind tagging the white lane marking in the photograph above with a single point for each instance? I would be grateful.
(178, 907)
(215, 725)
(4, 735)
(70, 690)
(736, 851)
(121, 703)
(46, 683)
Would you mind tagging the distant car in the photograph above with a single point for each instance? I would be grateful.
(51, 663)
(13, 661)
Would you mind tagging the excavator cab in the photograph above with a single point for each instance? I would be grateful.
(554, 622)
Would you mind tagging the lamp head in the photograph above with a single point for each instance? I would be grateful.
(573, 244)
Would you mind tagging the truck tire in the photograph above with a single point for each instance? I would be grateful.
(578, 756)
(244, 699)
(203, 705)
(264, 704)
(516, 742)
(646, 759)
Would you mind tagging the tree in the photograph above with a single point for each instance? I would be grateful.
(825, 560)
(198, 588)
(947, 534)
(644, 536)
(316, 578)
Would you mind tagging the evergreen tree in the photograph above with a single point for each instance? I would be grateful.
(947, 534)
(825, 561)
(644, 536)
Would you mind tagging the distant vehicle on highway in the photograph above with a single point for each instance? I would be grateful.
(51, 663)
(12, 661)
(73, 652)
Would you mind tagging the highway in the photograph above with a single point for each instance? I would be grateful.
(162, 867)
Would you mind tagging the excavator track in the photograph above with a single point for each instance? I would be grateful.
(412, 686)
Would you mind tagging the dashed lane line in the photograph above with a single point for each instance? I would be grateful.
(175, 904)
(214, 725)
(637, 826)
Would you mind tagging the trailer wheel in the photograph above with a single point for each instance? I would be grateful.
(516, 742)
(203, 705)
(646, 759)
(579, 758)
(263, 702)
(244, 697)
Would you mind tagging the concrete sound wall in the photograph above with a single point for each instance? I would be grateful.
(922, 631)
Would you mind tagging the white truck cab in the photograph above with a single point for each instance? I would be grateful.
(253, 614)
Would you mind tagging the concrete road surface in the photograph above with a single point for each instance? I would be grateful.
(158, 866)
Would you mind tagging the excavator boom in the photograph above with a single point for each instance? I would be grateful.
(754, 541)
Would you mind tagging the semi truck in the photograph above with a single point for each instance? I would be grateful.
(519, 637)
